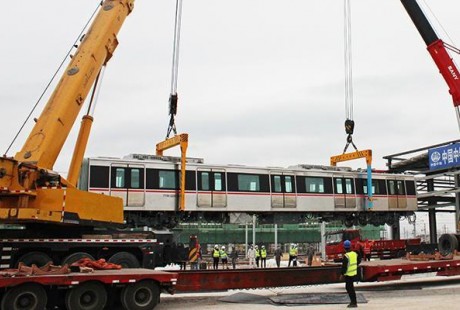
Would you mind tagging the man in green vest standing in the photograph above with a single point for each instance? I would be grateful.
(263, 256)
(350, 263)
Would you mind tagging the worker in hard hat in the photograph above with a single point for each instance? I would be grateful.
(257, 256)
(224, 258)
(215, 257)
(263, 257)
(351, 260)
(293, 251)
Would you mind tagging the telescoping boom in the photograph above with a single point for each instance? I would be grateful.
(30, 191)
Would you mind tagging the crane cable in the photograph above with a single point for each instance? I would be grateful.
(74, 45)
(349, 122)
(175, 70)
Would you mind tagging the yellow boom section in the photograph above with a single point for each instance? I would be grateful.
(45, 142)
(29, 190)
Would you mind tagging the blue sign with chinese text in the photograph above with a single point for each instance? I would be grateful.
(444, 157)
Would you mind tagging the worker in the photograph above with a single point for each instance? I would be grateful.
(257, 255)
(234, 257)
(223, 256)
(215, 256)
(263, 257)
(310, 254)
(252, 257)
(278, 255)
(293, 255)
(367, 250)
(350, 263)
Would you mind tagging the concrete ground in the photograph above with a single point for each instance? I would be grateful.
(412, 292)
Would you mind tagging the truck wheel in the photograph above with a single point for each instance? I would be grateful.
(125, 259)
(38, 258)
(140, 296)
(28, 296)
(448, 243)
(72, 258)
(86, 296)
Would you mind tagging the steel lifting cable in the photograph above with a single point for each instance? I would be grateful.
(74, 45)
(175, 70)
(348, 57)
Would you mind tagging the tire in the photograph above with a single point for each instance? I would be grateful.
(28, 296)
(125, 259)
(86, 296)
(72, 258)
(140, 296)
(38, 258)
(448, 243)
(348, 222)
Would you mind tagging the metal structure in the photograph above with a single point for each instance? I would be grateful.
(436, 189)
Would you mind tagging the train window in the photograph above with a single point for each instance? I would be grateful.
(204, 181)
(135, 178)
(218, 186)
(99, 177)
(400, 189)
(344, 186)
(410, 187)
(288, 184)
(167, 179)
(276, 186)
(314, 185)
(120, 177)
(248, 182)
(378, 187)
(190, 180)
(396, 187)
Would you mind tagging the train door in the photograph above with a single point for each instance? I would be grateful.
(136, 185)
(211, 189)
(118, 186)
(396, 194)
(344, 192)
(282, 191)
(127, 182)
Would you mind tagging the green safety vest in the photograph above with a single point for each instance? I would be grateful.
(216, 253)
(293, 252)
(352, 269)
(263, 253)
(223, 254)
(257, 253)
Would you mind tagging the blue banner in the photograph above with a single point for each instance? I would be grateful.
(444, 157)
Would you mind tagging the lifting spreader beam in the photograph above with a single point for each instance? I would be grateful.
(182, 140)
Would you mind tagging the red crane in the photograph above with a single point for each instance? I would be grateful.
(438, 50)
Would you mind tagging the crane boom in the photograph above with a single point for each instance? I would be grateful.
(29, 190)
(45, 142)
(437, 49)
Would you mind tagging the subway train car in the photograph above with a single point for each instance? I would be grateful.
(149, 187)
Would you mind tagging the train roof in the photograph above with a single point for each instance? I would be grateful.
(134, 157)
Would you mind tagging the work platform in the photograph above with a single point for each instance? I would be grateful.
(373, 271)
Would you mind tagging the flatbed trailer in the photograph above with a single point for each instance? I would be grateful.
(133, 288)
(373, 271)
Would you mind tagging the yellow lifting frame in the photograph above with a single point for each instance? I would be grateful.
(182, 140)
(355, 155)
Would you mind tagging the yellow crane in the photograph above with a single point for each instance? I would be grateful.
(30, 191)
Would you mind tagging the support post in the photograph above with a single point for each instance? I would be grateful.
(254, 229)
(246, 240)
(323, 240)
(432, 214)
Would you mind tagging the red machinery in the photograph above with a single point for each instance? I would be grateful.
(379, 248)
(437, 49)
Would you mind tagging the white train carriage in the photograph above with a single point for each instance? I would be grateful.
(149, 187)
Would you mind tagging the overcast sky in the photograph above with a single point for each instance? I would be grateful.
(261, 82)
